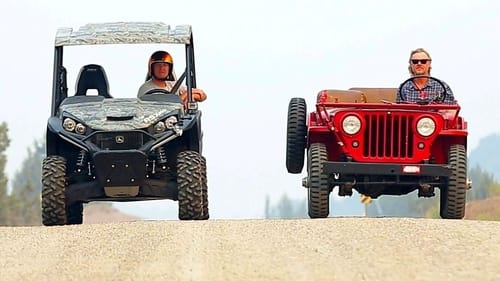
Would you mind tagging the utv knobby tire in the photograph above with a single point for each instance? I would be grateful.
(318, 191)
(452, 195)
(53, 191)
(74, 213)
(191, 184)
(205, 215)
(296, 133)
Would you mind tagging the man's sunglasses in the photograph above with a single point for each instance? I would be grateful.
(424, 61)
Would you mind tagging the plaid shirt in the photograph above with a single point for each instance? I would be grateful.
(432, 89)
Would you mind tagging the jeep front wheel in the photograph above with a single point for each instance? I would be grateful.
(191, 184)
(452, 195)
(318, 191)
(53, 191)
(296, 133)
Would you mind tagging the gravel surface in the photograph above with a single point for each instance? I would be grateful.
(321, 249)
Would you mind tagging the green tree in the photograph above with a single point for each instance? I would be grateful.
(481, 181)
(26, 188)
(494, 189)
(30, 173)
(4, 196)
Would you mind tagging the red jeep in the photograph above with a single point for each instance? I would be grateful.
(361, 139)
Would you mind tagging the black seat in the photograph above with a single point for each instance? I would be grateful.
(92, 76)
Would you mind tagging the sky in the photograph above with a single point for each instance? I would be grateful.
(252, 57)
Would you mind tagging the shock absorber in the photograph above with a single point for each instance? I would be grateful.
(162, 157)
(80, 161)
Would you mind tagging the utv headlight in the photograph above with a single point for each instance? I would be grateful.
(351, 124)
(80, 129)
(170, 122)
(426, 126)
(159, 127)
(69, 124)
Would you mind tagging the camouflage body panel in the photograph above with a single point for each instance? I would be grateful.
(123, 33)
(120, 113)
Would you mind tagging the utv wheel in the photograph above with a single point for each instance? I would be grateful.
(205, 215)
(296, 135)
(318, 191)
(191, 184)
(53, 191)
(75, 213)
(453, 194)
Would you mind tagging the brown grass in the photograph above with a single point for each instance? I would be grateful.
(487, 209)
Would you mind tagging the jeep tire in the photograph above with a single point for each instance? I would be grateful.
(318, 191)
(452, 195)
(296, 135)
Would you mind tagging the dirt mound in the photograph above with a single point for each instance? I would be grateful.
(103, 213)
(487, 209)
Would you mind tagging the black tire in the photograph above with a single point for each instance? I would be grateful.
(191, 180)
(452, 196)
(296, 133)
(318, 191)
(53, 191)
(205, 215)
(75, 213)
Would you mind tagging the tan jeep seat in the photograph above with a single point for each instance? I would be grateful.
(344, 96)
(375, 95)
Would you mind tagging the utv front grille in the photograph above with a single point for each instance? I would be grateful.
(119, 140)
(388, 135)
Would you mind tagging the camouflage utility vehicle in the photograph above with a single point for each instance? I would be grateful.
(104, 148)
(361, 139)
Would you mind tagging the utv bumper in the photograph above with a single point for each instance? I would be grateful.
(121, 175)
(381, 169)
(120, 168)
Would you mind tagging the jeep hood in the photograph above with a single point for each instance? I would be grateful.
(119, 113)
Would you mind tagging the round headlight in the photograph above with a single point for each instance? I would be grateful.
(426, 126)
(351, 124)
(159, 127)
(69, 124)
(80, 128)
(170, 122)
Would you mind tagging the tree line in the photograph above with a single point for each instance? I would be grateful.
(484, 185)
(21, 204)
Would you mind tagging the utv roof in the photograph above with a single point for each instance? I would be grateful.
(123, 33)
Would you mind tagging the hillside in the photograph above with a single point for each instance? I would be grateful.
(486, 156)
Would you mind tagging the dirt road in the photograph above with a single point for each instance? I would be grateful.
(327, 249)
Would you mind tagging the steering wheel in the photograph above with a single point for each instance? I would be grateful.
(172, 91)
(440, 98)
(157, 91)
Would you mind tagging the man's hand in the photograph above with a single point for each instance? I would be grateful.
(198, 95)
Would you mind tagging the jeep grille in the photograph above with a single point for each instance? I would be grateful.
(388, 135)
(119, 140)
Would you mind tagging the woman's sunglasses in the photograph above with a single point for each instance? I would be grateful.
(424, 61)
